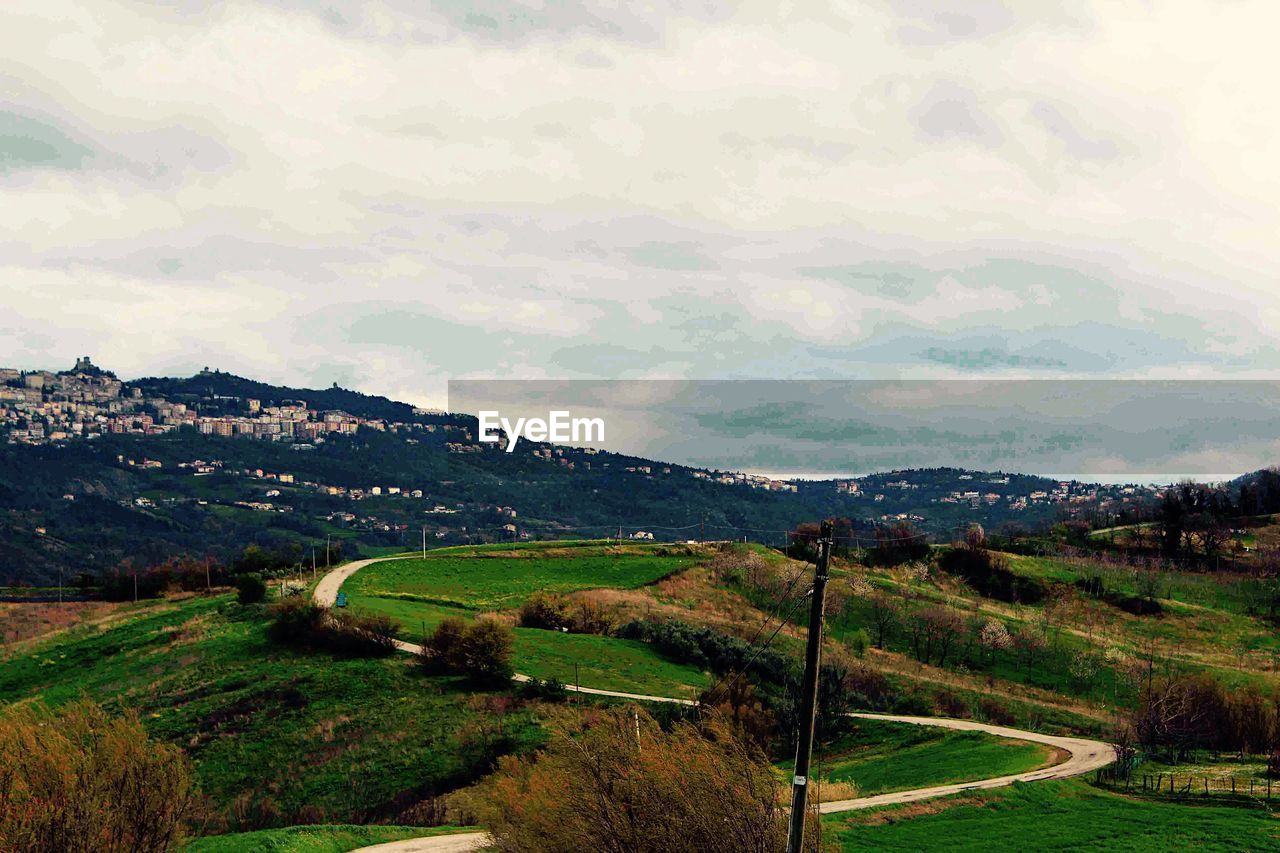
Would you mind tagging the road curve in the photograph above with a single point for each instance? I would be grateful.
(326, 593)
(1083, 755)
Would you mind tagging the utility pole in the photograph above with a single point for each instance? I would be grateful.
(208, 585)
(313, 562)
(702, 530)
(424, 542)
(809, 694)
(135, 587)
(327, 537)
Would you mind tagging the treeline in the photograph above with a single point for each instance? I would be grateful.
(128, 581)
(1179, 714)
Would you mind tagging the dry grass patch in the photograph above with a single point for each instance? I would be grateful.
(910, 811)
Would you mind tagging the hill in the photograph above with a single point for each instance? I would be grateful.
(208, 465)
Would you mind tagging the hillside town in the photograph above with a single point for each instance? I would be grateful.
(39, 407)
(86, 402)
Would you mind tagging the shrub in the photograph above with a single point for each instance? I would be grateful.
(481, 650)
(557, 612)
(950, 705)
(251, 588)
(898, 543)
(710, 649)
(859, 641)
(306, 624)
(989, 574)
(615, 780)
(868, 688)
(742, 709)
(82, 780)
(914, 703)
(545, 610)
(994, 712)
(551, 690)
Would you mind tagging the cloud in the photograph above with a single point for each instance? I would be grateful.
(950, 111)
(27, 142)
(394, 193)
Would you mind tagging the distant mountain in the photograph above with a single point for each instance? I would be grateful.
(147, 494)
(215, 383)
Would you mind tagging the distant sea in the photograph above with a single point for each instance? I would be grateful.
(1139, 478)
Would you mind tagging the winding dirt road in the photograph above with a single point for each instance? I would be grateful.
(1083, 755)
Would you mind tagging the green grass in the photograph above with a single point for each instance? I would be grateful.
(260, 721)
(880, 757)
(420, 593)
(1067, 815)
(311, 839)
(495, 582)
(605, 663)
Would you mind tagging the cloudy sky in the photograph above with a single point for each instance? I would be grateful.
(389, 195)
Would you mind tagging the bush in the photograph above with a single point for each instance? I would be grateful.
(995, 713)
(709, 649)
(481, 650)
(898, 543)
(551, 690)
(950, 705)
(868, 689)
(560, 613)
(915, 704)
(617, 781)
(989, 574)
(859, 641)
(306, 624)
(251, 588)
(545, 610)
(81, 780)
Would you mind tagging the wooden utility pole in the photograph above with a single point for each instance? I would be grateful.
(809, 693)
(424, 542)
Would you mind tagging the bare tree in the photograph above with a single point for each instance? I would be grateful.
(886, 615)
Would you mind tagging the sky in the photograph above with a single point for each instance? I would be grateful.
(389, 195)
(1107, 430)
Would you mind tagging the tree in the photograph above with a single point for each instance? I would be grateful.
(80, 780)
(250, 588)
(614, 781)
(934, 630)
(994, 637)
(1029, 642)
(886, 614)
(481, 650)
(898, 543)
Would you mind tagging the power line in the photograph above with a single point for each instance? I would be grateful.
(761, 650)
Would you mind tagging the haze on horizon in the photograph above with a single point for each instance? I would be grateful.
(392, 194)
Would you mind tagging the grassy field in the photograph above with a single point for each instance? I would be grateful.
(880, 757)
(606, 663)
(1068, 815)
(271, 726)
(491, 582)
(466, 580)
(311, 839)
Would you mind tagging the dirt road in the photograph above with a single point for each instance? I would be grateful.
(1083, 755)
